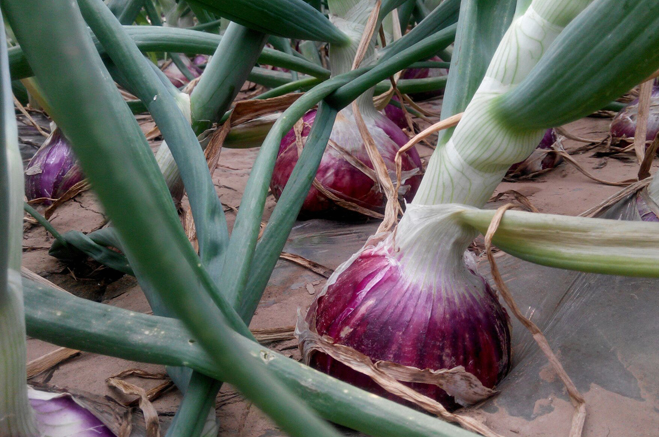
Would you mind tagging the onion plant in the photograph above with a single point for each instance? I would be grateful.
(518, 68)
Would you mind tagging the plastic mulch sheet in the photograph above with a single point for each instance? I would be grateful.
(604, 329)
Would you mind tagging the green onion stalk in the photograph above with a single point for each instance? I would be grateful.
(413, 297)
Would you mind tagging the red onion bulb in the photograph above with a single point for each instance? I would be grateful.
(539, 160)
(53, 170)
(623, 125)
(341, 177)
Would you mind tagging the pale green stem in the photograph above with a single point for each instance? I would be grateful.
(469, 167)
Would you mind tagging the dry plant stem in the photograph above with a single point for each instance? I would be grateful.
(319, 269)
(29, 117)
(562, 131)
(149, 411)
(652, 76)
(522, 199)
(644, 170)
(424, 112)
(579, 417)
(612, 200)
(440, 125)
(247, 110)
(392, 209)
(72, 192)
(583, 171)
(46, 362)
(367, 36)
(644, 96)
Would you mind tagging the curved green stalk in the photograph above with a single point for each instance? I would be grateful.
(225, 74)
(389, 66)
(73, 79)
(286, 211)
(177, 40)
(287, 18)
(16, 415)
(411, 86)
(605, 51)
(207, 210)
(441, 18)
(69, 321)
(45, 223)
(246, 228)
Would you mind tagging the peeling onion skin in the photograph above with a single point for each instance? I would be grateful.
(58, 415)
(377, 308)
(338, 175)
(644, 210)
(623, 125)
(53, 170)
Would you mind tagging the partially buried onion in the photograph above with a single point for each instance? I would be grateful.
(53, 170)
(623, 125)
(540, 160)
(411, 300)
(339, 171)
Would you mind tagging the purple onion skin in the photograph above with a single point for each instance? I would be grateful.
(376, 309)
(647, 215)
(61, 416)
(623, 125)
(53, 170)
(341, 177)
(536, 162)
(396, 114)
(177, 78)
(423, 73)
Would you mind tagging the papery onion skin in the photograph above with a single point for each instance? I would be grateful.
(58, 415)
(644, 211)
(539, 160)
(338, 175)
(623, 125)
(53, 170)
(377, 308)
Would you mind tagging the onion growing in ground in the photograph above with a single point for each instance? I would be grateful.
(399, 301)
(53, 170)
(396, 114)
(623, 125)
(346, 170)
(540, 160)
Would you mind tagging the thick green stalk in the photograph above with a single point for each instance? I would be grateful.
(176, 40)
(246, 229)
(441, 18)
(476, 157)
(287, 18)
(130, 11)
(608, 49)
(65, 320)
(71, 74)
(16, 415)
(207, 210)
(225, 74)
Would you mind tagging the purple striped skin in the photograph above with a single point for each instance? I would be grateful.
(377, 309)
(396, 114)
(647, 215)
(338, 175)
(623, 125)
(53, 170)
(533, 164)
(61, 416)
(177, 78)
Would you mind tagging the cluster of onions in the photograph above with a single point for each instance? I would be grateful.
(623, 125)
(53, 170)
(540, 161)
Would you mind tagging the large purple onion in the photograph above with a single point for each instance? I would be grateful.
(623, 125)
(338, 175)
(53, 170)
(424, 73)
(59, 415)
(411, 300)
(539, 161)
